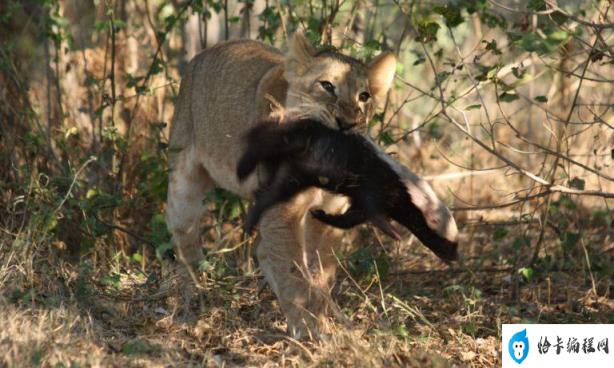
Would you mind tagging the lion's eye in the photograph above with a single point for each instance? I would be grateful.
(328, 86)
(364, 96)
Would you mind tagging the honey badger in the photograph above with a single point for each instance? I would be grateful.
(305, 153)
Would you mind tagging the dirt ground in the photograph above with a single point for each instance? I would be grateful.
(407, 308)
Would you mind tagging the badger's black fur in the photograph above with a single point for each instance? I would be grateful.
(305, 153)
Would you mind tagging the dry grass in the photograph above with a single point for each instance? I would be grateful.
(59, 311)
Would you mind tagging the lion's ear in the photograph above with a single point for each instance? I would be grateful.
(299, 57)
(381, 73)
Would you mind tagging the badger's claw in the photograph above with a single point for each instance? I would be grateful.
(382, 223)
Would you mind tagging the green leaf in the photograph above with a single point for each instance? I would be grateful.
(577, 183)
(385, 138)
(141, 90)
(558, 35)
(570, 240)
(364, 261)
(156, 67)
(451, 13)
(527, 273)
(493, 20)
(205, 266)
(518, 72)
(567, 203)
(473, 6)
(51, 224)
(376, 119)
(541, 99)
(169, 21)
(137, 258)
(508, 97)
(519, 242)
(119, 24)
(441, 76)
(492, 46)
(402, 331)
(434, 130)
(600, 218)
(558, 17)
(91, 193)
(536, 5)
(162, 248)
(473, 107)
(37, 357)
(234, 210)
(137, 346)
(101, 26)
(534, 42)
(373, 44)
(420, 59)
(500, 233)
(132, 81)
(112, 280)
(427, 31)
(452, 289)
(487, 72)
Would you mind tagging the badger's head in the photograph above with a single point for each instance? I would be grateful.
(440, 233)
(424, 214)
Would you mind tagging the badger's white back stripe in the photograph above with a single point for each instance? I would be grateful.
(437, 215)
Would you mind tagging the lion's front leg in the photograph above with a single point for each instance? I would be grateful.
(323, 241)
(296, 256)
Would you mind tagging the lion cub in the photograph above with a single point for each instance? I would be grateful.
(223, 94)
(305, 153)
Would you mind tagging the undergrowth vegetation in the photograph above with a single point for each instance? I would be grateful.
(506, 107)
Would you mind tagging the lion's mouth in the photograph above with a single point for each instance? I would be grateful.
(344, 124)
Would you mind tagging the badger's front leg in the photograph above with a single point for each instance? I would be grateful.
(282, 188)
(356, 216)
(347, 220)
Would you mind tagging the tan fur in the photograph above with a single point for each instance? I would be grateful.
(227, 89)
